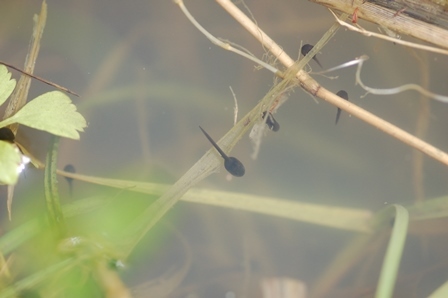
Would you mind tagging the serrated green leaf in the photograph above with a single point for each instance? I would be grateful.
(10, 159)
(52, 112)
(6, 84)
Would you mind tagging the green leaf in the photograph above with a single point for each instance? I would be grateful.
(6, 84)
(52, 112)
(10, 159)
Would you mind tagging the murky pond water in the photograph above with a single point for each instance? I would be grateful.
(147, 80)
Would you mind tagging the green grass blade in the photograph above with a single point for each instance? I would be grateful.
(358, 247)
(429, 209)
(441, 292)
(391, 262)
(349, 219)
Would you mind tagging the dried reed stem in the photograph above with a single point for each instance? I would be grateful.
(311, 86)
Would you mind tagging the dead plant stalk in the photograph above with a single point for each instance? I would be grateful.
(313, 87)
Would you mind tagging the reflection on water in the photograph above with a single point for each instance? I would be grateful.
(147, 79)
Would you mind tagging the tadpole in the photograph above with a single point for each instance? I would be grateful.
(306, 49)
(271, 122)
(71, 169)
(343, 94)
(231, 164)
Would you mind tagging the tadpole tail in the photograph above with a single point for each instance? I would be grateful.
(71, 169)
(214, 143)
(343, 94)
(306, 49)
(338, 114)
(70, 189)
(317, 61)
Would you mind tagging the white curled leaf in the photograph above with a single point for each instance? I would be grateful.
(7, 84)
(52, 112)
(10, 163)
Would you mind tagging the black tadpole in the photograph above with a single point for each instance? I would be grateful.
(232, 165)
(343, 94)
(270, 121)
(306, 49)
(6, 134)
(71, 169)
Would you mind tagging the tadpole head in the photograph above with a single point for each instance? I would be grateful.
(271, 122)
(231, 164)
(275, 126)
(343, 94)
(306, 49)
(6, 134)
(71, 169)
(234, 166)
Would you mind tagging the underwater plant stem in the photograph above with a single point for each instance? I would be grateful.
(311, 86)
(204, 167)
(441, 292)
(421, 128)
(392, 259)
(345, 260)
(348, 219)
(361, 245)
(54, 209)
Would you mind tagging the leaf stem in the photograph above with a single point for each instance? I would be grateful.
(55, 214)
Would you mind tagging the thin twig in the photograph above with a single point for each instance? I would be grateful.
(389, 91)
(224, 45)
(395, 90)
(40, 79)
